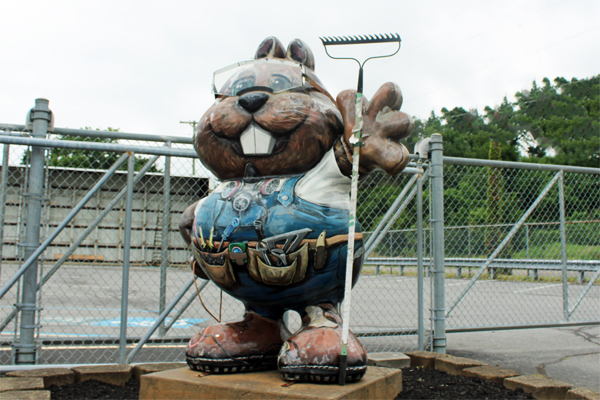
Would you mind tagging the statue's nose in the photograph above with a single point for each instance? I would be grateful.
(252, 101)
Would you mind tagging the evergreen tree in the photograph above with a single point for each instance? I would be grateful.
(554, 123)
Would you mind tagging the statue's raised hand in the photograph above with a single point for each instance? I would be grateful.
(383, 128)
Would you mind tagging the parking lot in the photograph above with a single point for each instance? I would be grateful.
(81, 308)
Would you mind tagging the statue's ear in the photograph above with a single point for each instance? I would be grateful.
(271, 47)
(298, 51)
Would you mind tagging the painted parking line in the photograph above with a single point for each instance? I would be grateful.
(68, 335)
(536, 288)
(140, 322)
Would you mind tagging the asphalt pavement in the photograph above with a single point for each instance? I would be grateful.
(83, 303)
(570, 354)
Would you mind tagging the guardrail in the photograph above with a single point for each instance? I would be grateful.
(581, 266)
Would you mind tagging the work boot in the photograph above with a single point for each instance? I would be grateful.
(313, 353)
(248, 345)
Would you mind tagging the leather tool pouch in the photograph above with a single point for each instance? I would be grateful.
(293, 272)
(218, 267)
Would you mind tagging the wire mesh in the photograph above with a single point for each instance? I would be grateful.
(523, 285)
(385, 307)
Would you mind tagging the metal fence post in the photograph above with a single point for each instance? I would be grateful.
(26, 352)
(563, 244)
(437, 194)
(527, 242)
(126, 251)
(420, 278)
(166, 223)
(3, 190)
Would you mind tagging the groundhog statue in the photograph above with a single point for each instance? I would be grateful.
(274, 233)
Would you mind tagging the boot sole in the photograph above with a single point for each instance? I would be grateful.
(232, 366)
(319, 373)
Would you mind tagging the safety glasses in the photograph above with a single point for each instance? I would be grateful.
(269, 75)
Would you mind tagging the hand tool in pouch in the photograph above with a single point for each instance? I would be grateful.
(228, 231)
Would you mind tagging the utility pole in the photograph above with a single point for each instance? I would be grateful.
(193, 124)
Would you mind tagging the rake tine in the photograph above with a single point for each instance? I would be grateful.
(361, 39)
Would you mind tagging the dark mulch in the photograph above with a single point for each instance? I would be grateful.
(425, 383)
(94, 389)
(417, 383)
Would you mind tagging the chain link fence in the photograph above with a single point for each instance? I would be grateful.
(80, 273)
(501, 269)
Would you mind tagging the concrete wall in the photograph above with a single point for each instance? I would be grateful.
(64, 189)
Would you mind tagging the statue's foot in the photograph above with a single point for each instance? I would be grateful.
(248, 345)
(313, 353)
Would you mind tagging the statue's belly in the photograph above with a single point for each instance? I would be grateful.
(308, 275)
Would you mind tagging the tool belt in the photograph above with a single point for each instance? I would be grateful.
(219, 268)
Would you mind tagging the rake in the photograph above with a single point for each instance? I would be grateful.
(355, 141)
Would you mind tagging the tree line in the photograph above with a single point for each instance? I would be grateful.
(555, 123)
(88, 159)
(551, 123)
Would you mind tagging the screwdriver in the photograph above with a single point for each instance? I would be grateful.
(228, 231)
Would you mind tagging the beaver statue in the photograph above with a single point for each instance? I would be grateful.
(274, 233)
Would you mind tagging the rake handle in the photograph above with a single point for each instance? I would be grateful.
(355, 141)
(359, 87)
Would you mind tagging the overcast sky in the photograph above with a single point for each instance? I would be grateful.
(143, 66)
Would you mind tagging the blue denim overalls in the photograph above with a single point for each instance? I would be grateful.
(270, 207)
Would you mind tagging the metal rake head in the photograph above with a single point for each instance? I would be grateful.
(360, 39)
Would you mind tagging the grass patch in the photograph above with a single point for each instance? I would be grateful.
(551, 251)
(369, 270)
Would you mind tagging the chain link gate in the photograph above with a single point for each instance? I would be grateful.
(523, 241)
